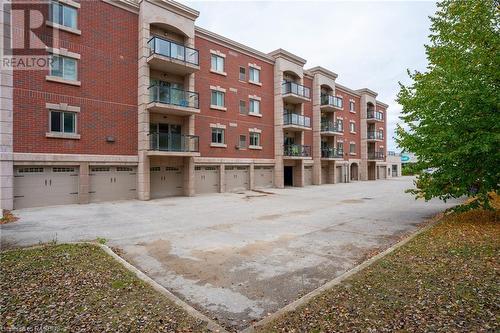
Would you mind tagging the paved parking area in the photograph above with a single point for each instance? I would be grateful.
(238, 257)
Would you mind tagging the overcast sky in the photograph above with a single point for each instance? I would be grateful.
(368, 44)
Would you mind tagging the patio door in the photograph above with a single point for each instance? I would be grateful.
(168, 136)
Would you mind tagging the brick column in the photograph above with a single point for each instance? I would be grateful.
(189, 176)
(278, 127)
(222, 178)
(316, 126)
(298, 173)
(84, 184)
(252, 176)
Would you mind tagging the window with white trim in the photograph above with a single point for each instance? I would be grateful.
(255, 139)
(217, 63)
(352, 127)
(352, 148)
(243, 141)
(243, 107)
(218, 135)
(63, 15)
(254, 75)
(217, 98)
(62, 122)
(340, 147)
(243, 74)
(254, 106)
(351, 106)
(64, 67)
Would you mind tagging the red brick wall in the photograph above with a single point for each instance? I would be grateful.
(205, 79)
(347, 116)
(107, 96)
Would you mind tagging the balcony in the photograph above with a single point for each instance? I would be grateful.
(374, 136)
(376, 155)
(331, 153)
(293, 121)
(331, 103)
(330, 128)
(373, 116)
(167, 100)
(168, 144)
(168, 56)
(295, 93)
(294, 151)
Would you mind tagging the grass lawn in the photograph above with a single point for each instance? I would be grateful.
(79, 288)
(447, 279)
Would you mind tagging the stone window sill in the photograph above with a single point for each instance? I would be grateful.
(63, 28)
(216, 107)
(256, 83)
(61, 80)
(255, 147)
(57, 135)
(218, 145)
(220, 73)
(253, 114)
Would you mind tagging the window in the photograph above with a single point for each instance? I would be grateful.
(255, 139)
(243, 141)
(352, 148)
(64, 67)
(351, 106)
(254, 75)
(254, 106)
(340, 147)
(340, 125)
(338, 102)
(217, 63)
(352, 127)
(218, 135)
(63, 15)
(63, 122)
(243, 107)
(217, 98)
(243, 74)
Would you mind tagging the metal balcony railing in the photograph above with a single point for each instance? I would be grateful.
(330, 152)
(332, 100)
(296, 119)
(370, 114)
(332, 126)
(173, 96)
(296, 89)
(376, 155)
(375, 135)
(297, 150)
(174, 142)
(167, 48)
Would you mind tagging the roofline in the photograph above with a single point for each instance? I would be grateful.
(280, 53)
(216, 38)
(324, 71)
(367, 91)
(128, 5)
(176, 7)
(349, 90)
(382, 104)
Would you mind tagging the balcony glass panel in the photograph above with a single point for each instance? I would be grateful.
(173, 50)
(168, 95)
(297, 150)
(174, 142)
(296, 119)
(296, 89)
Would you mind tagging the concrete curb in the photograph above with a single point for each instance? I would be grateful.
(211, 325)
(306, 298)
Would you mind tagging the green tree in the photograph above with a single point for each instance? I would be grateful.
(451, 111)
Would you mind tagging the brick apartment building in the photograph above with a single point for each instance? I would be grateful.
(142, 103)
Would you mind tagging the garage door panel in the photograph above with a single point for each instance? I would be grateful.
(167, 181)
(237, 178)
(45, 186)
(206, 179)
(339, 174)
(108, 183)
(264, 177)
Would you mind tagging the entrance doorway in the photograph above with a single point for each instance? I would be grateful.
(288, 176)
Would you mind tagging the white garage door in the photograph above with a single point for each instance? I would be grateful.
(308, 175)
(206, 179)
(382, 172)
(36, 186)
(166, 181)
(237, 178)
(264, 176)
(339, 175)
(109, 183)
(324, 175)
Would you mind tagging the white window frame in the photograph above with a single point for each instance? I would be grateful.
(218, 130)
(352, 106)
(218, 61)
(62, 78)
(62, 133)
(352, 127)
(251, 75)
(68, 6)
(352, 151)
(217, 105)
(251, 106)
(244, 78)
(255, 135)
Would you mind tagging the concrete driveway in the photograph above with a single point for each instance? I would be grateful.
(238, 257)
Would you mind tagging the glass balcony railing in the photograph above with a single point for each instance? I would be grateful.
(376, 115)
(296, 119)
(376, 155)
(173, 50)
(332, 100)
(294, 150)
(330, 152)
(296, 89)
(332, 126)
(173, 96)
(374, 135)
(174, 142)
